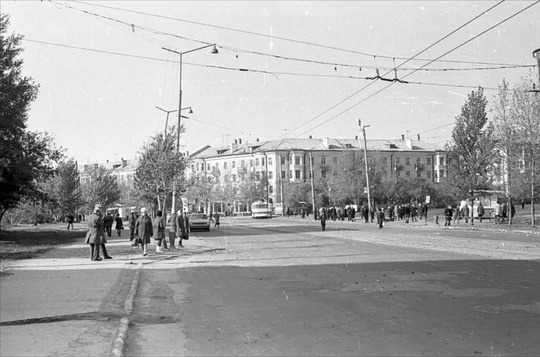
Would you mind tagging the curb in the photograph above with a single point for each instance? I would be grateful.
(121, 334)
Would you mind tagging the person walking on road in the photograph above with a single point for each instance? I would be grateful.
(70, 218)
(132, 220)
(448, 215)
(108, 221)
(159, 228)
(119, 224)
(380, 218)
(143, 229)
(480, 211)
(182, 227)
(322, 215)
(95, 233)
(216, 219)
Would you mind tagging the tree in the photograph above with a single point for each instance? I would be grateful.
(27, 157)
(252, 186)
(160, 169)
(517, 123)
(203, 187)
(102, 188)
(69, 193)
(471, 149)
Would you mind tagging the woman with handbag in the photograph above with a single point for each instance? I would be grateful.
(159, 228)
(143, 229)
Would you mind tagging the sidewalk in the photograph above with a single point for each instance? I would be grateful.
(63, 304)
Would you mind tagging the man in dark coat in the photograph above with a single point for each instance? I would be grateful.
(448, 213)
(182, 227)
(480, 211)
(95, 233)
(132, 219)
(108, 222)
(380, 218)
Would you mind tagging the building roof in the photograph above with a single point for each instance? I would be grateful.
(314, 144)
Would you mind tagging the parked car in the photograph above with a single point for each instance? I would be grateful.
(199, 221)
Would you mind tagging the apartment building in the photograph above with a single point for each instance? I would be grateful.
(289, 159)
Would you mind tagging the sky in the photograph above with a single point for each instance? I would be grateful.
(284, 69)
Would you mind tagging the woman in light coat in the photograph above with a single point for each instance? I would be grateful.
(143, 229)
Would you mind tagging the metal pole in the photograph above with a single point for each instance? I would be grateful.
(312, 185)
(536, 53)
(366, 163)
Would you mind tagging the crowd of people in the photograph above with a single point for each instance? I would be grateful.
(502, 212)
(142, 229)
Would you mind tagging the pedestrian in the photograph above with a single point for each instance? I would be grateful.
(480, 211)
(216, 219)
(504, 212)
(119, 224)
(172, 229)
(159, 229)
(523, 204)
(512, 210)
(497, 212)
(143, 229)
(95, 233)
(182, 227)
(380, 218)
(108, 221)
(132, 220)
(466, 213)
(448, 213)
(70, 221)
(322, 214)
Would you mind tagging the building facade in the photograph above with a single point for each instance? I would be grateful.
(288, 160)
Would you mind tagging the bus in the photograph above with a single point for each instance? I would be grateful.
(261, 209)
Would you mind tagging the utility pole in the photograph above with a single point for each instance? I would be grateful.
(312, 185)
(363, 128)
(536, 54)
(214, 51)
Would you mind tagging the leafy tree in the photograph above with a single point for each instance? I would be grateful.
(69, 193)
(203, 187)
(517, 123)
(27, 157)
(252, 186)
(160, 169)
(471, 149)
(102, 188)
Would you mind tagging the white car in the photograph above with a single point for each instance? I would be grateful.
(199, 221)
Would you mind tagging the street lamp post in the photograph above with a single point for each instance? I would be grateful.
(214, 51)
(363, 128)
(312, 185)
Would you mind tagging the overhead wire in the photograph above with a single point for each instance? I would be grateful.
(283, 38)
(408, 60)
(275, 73)
(334, 64)
(444, 54)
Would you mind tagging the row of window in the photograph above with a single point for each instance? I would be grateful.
(324, 173)
(298, 161)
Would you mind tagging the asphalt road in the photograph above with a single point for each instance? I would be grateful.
(283, 287)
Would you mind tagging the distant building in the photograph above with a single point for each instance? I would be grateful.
(123, 169)
(288, 159)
